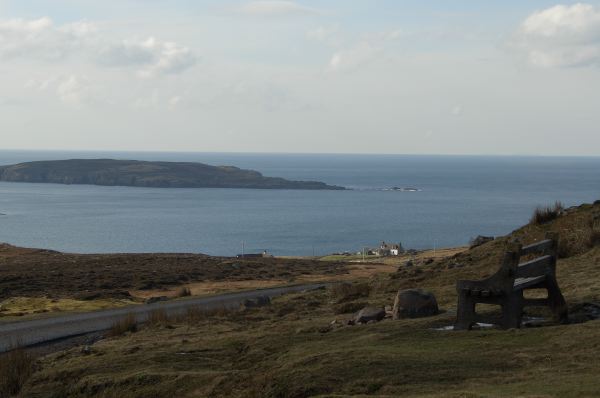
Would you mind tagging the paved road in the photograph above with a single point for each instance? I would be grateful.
(27, 333)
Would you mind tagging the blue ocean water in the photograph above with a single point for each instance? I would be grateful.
(460, 197)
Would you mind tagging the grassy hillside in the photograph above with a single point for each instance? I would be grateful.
(299, 346)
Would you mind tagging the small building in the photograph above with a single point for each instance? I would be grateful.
(389, 249)
(264, 254)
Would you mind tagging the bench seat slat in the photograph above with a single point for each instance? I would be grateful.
(537, 247)
(536, 267)
(522, 283)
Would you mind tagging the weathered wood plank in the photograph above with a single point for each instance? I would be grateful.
(523, 283)
(536, 267)
(538, 247)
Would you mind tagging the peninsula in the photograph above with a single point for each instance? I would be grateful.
(110, 172)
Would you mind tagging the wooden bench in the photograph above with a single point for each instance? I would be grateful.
(505, 288)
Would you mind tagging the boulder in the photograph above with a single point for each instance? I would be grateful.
(480, 240)
(369, 314)
(414, 303)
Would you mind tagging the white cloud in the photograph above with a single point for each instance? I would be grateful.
(457, 110)
(41, 39)
(328, 35)
(275, 8)
(174, 101)
(561, 36)
(154, 57)
(370, 47)
(75, 90)
(41, 85)
(353, 57)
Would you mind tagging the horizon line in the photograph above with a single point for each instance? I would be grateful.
(300, 153)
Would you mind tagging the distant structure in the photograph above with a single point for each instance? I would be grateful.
(388, 249)
(264, 254)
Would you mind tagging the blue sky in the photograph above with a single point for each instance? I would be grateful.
(463, 77)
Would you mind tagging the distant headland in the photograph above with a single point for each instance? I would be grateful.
(135, 173)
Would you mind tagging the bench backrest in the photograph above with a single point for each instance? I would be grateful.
(512, 269)
(543, 265)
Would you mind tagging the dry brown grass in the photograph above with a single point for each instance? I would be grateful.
(292, 349)
(545, 214)
(183, 292)
(128, 323)
(195, 315)
(342, 292)
(158, 317)
(595, 238)
(15, 368)
(116, 276)
(192, 316)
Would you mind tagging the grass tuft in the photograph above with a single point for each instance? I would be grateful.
(15, 368)
(159, 317)
(594, 238)
(123, 325)
(545, 214)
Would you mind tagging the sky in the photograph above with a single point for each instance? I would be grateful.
(339, 76)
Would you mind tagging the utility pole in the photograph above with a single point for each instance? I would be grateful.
(243, 248)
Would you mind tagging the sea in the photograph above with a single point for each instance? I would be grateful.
(442, 201)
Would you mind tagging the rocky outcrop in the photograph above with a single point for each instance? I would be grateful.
(414, 303)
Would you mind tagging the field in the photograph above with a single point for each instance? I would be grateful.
(300, 345)
(41, 281)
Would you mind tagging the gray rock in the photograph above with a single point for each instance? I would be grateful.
(480, 240)
(414, 303)
(369, 314)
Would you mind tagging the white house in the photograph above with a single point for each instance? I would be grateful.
(389, 249)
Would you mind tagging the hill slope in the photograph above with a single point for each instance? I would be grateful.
(147, 174)
(298, 346)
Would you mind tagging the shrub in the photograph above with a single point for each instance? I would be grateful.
(565, 249)
(183, 292)
(128, 323)
(15, 368)
(544, 214)
(350, 291)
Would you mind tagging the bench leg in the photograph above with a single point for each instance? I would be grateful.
(512, 311)
(557, 302)
(465, 312)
